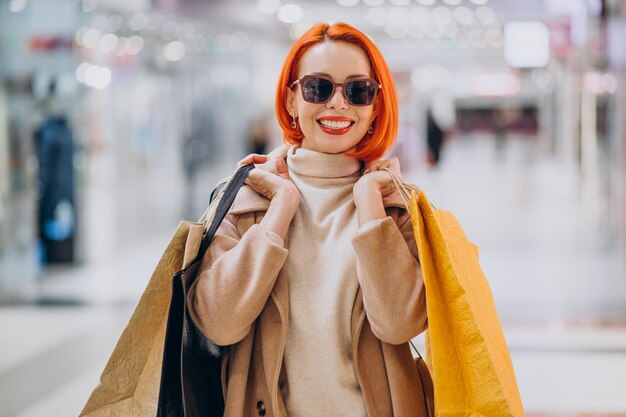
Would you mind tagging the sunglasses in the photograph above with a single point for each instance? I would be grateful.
(357, 91)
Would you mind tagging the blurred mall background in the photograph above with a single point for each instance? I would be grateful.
(117, 118)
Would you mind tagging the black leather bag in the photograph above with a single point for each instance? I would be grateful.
(190, 375)
(425, 380)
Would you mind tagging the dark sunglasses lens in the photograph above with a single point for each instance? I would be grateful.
(316, 90)
(360, 92)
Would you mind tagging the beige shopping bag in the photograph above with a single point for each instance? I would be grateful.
(129, 384)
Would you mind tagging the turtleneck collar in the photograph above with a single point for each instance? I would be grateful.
(321, 165)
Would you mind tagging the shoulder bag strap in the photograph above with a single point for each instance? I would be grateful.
(224, 205)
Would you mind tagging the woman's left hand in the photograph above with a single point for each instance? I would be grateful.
(374, 185)
(375, 178)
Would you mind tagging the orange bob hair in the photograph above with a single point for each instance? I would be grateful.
(385, 124)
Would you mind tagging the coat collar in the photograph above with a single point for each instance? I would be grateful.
(248, 201)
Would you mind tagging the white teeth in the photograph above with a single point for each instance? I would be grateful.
(334, 124)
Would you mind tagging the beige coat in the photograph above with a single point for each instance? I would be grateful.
(241, 300)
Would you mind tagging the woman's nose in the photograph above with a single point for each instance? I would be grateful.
(338, 101)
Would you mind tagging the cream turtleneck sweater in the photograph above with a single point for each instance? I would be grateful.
(321, 271)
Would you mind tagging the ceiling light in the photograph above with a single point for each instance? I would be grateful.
(91, 38)
(17, 6)
(81, 70)
(526, 44)
(80, 34)
(97, 77)
(174, 51)
(108, 42)
(290, 13)
(134, 45)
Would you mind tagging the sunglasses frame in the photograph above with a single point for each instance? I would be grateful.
(335, 85)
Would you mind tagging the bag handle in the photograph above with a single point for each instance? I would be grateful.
(228, 194)
(415, 349)
(403, 188)
(404, 193)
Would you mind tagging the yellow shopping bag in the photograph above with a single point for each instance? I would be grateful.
(466, 351)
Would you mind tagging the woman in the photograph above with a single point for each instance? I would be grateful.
(312, 281)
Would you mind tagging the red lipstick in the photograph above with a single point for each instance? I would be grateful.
(331, 131)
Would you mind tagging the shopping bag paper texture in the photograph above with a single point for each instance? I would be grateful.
(129, 384)
(467, 354)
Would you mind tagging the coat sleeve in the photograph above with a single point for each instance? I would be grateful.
(234, 281)
(391, 279)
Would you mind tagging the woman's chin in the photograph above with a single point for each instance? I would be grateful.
(332, 145)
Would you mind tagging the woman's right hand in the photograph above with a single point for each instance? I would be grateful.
(273, 162)
(274, 186)
(270, 178)
(263, 177)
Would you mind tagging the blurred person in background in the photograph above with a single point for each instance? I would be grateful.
(500, 122)
(434, 140)
(198, 150)
(54, 142)
(312, 282)
(259, 136)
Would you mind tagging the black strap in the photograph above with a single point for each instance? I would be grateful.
(217, 190)
(223, 206)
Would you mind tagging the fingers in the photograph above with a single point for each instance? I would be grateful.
(281, 168)
(265, 183)
(372, 166)
(260, 181)
(275, 166)
(393, 164)
(253, 158)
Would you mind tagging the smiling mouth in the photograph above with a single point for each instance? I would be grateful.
(335, 124)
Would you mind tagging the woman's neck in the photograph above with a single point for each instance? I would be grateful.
(312, 163)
